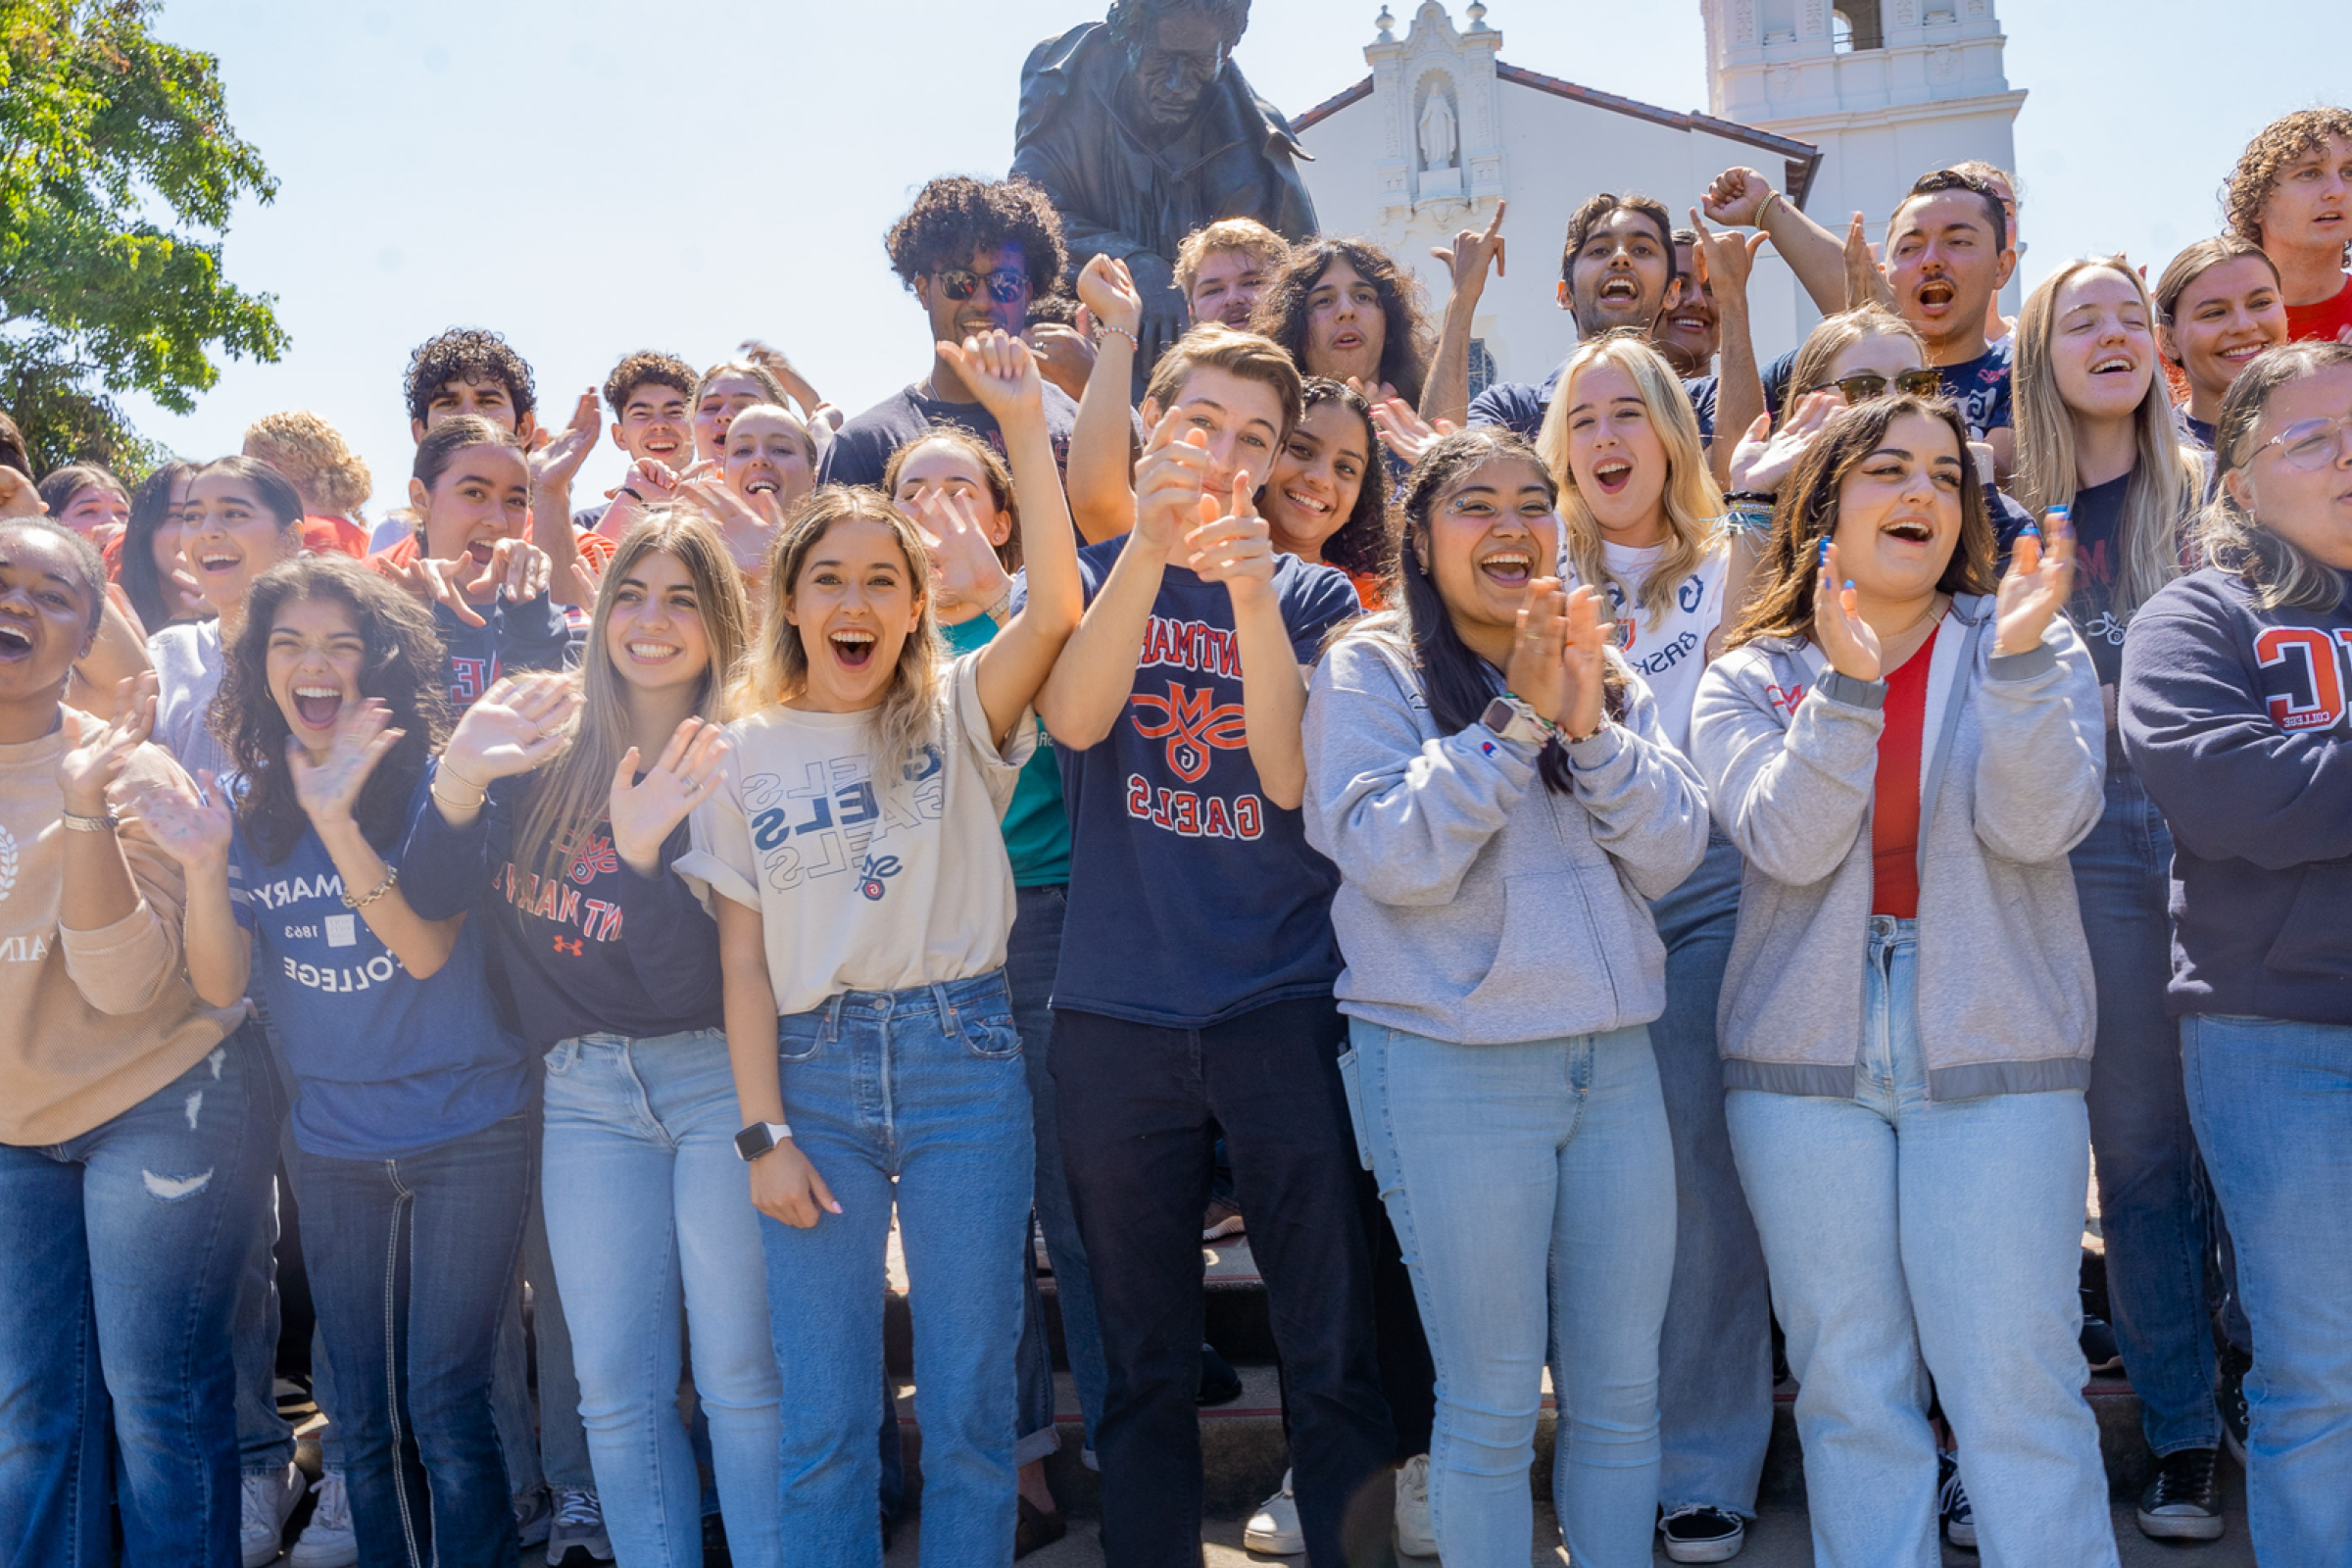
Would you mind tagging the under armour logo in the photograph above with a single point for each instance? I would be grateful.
(573, 948)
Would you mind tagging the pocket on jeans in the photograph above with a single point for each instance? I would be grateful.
(799, 1039)
(991, 1035)
(1349, 1083)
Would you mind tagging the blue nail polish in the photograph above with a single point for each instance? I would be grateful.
(1849, 582)
(1824, 552)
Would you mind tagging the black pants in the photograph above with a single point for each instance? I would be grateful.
(1134, 1100)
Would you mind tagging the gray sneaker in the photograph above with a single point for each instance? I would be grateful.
(579, 1523)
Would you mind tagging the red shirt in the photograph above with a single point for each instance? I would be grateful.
(324, 534)
(2321, 318)
(1894, 813)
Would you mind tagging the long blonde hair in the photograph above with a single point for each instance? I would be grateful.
(1693, 504)
(778, 668)
(570, 795)
(2163, 489)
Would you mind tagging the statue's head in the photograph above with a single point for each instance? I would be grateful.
(1176, 50)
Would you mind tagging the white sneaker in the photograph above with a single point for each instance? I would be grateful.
(329, 1540)
(1274, 1528)
(267, 1502)
(1415, 1538)
(534, 1517)
(580, 1522)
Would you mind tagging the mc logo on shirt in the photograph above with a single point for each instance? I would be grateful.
(2303, 675)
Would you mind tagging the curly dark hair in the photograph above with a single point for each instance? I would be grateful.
(956, 217)
(648, 365)
(1128, 18)
(1599, 208)
(1781, 605)
(467, 354)
(2274, 147)
(1408, 344)
(402, 668)
(1366, 543)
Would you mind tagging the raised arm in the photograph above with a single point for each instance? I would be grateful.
(552, 466)
(1003, 373)
(1745, 198)
(1446, 395)
(1101, 469)
(1092, 680)
(190, 822)
(1238, 550)
(1725, 264)
(329, 791)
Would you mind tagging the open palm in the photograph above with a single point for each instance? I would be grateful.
(328, 789)
(645, 811)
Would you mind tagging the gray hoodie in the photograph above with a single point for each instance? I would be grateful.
(1476, 905)
(2011, 779)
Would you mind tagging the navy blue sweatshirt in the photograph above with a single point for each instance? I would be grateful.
(532, 636)
(2235, 718)
(598, 950)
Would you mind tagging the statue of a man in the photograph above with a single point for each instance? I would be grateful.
(1141, 130)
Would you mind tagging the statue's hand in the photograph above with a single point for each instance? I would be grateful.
(1165, 312)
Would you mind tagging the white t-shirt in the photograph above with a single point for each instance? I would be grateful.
(1672, 655)
(865, 885)
(188, 664)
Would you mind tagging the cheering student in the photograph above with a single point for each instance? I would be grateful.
(571, 831)
(1343, 309)
(150, 568)
(968, 508)
(767, 467)
(972, 252)
(1223, 268)
(1175, 712)
(1501, 1077)
(651, 397)
(722, 392)
(1638, 509)
(2291, 194)
(2217, 305)
(409, 1096)
(2097, 433)
(2234, 714)
(131, 1120)
(863, 933)
(1324, 499)
(1903, 757)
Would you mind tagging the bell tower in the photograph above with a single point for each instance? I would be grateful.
(1888, 89)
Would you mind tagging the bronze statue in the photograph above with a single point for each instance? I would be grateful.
(1141, 128)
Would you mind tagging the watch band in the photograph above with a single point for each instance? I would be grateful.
(760, 1138)
(1514, 718)
(1840, 687)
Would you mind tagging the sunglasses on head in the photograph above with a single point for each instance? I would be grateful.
(1864, 385)
(1005, 285)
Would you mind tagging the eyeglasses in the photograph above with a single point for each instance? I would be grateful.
(1005, 285)
(2311, 443)
(1863, 386)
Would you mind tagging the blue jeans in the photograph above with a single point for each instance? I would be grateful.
(2272, 1104)
(264, 1439)
(2151, 1211)
(924, 1086)
(410, 1261)
(1715, 1353)
(1030, 959)
(546, 1445)
(650, 1218)
(1900, 1228)
(120, 1255)
(1533, 1192)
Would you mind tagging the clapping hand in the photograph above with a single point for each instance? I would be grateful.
(88, 770)
(1865, 283)
(2032, 590)
(1585, 661)
(328, 790)
(1843, 637)
(190, 821)
(645, 811)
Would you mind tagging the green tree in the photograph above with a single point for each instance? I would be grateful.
(117, 172)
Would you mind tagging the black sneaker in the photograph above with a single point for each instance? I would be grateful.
(1951, 1503)
(2184, 1503)
(1220, 1384)
(1697, 1532)
(2232, 1397)
(2099, 1347)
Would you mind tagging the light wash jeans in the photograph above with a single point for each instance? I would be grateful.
(1531, 1187)
(651, 1224)
(2273, 1106)
(1715, 1352)
(1900, 1228)
(925, 1086)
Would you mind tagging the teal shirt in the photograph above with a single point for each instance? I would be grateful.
(1037, 830)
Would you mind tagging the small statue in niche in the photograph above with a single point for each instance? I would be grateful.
(1437, 132)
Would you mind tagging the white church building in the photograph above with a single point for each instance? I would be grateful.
(1841, 105)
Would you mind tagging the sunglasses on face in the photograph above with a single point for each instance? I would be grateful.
(1005, 285)
(1864, 385)
(2310, 444)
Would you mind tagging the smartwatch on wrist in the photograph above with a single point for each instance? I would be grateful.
(760, 1138)
(1515, 719)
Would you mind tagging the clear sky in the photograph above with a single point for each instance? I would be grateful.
(591, 177)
